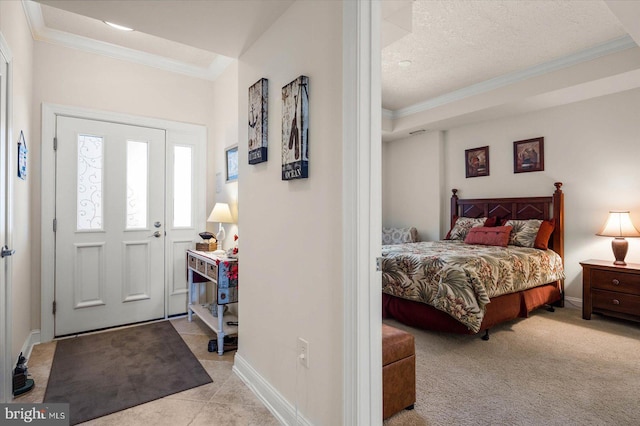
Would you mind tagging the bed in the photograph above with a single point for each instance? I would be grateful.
(410, 289)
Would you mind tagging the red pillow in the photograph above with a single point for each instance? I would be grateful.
(544, 233)
(490, 221)
(489, 236)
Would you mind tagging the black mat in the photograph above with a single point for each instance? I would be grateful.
(103, 373)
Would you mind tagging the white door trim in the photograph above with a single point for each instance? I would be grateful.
(362, 210)
(49, 113)
(6, 323)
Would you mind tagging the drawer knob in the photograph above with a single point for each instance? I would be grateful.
(616, 302)
(616, 282)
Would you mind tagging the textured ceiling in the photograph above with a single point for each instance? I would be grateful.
(454, 44)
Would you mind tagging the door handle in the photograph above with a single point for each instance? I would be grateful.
(157, 234)
(7, 252)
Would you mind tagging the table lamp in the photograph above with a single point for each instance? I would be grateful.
(619, 226)
(220, 214)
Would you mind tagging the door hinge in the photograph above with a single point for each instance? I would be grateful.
(55, 225)
(378, 264)
(55, 143)
(54, 307)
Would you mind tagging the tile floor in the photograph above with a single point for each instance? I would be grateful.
(226, 401)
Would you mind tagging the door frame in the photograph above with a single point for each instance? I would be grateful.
(173, 130)
(361, 213)
(6, 323)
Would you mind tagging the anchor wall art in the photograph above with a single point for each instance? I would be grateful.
(258, 95)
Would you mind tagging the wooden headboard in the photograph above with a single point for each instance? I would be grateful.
(516, 208)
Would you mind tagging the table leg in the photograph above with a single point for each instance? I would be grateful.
(220, 327)
(189, 294)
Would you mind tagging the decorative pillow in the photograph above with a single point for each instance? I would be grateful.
(544, 233)
(462, 226)
(399, 235)
(489, 236)
(524, 232)
(489, 221)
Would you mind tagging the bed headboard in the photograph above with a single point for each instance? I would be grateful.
(517, 208)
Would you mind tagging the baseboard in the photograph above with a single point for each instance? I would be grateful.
(32, 339)
(270, 397)
(573, 302)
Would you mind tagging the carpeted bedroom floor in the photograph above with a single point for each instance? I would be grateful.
(553, 368)
(549, 369)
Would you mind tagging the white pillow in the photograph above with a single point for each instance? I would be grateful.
(399, 235)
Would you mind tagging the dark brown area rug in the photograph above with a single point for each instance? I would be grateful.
(102, 373)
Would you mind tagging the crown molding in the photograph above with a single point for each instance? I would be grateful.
(4, 48)
(41, 32)
(387, 113)
(598, 51)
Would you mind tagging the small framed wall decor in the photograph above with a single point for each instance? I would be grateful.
(22, 157)
(231, 161)
(528, 155)
(295, 129)
(476, 161)
(258, 97)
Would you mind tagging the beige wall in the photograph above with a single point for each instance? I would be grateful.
(14, 27)
(411, 180)
(222, 134)
(76, 78)
(291, 272)
(590, 146)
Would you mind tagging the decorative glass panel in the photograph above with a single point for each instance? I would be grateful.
(89, 190)
(137, 180)
(182, 186)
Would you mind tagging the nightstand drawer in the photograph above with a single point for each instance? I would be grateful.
(615, 281)
(617, 302)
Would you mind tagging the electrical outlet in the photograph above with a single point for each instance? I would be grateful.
(303, 352)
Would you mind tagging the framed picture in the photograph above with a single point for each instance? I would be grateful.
(295, 129)
(258, 96)
(22, 157)
(476, 161)
(231, 161)
(528, 155)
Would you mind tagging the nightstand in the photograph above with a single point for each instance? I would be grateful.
(610, 289)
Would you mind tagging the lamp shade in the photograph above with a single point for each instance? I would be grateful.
(220, 213)
(619, 225)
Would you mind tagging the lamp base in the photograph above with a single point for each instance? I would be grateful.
(620, 247)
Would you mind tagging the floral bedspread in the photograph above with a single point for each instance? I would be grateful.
(459, 278)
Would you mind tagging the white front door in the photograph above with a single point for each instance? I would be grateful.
(110, 224)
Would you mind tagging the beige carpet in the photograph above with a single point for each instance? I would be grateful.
(553, 368)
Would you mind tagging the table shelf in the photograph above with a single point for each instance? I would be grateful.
(205, 316)
(213, 269)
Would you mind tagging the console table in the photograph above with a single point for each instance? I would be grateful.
(204, 267)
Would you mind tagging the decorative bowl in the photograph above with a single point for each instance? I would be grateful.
(206, 235)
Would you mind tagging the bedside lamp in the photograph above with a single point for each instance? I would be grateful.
(619, 226)
(220, 214)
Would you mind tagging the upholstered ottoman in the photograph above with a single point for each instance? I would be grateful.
(398, 371)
